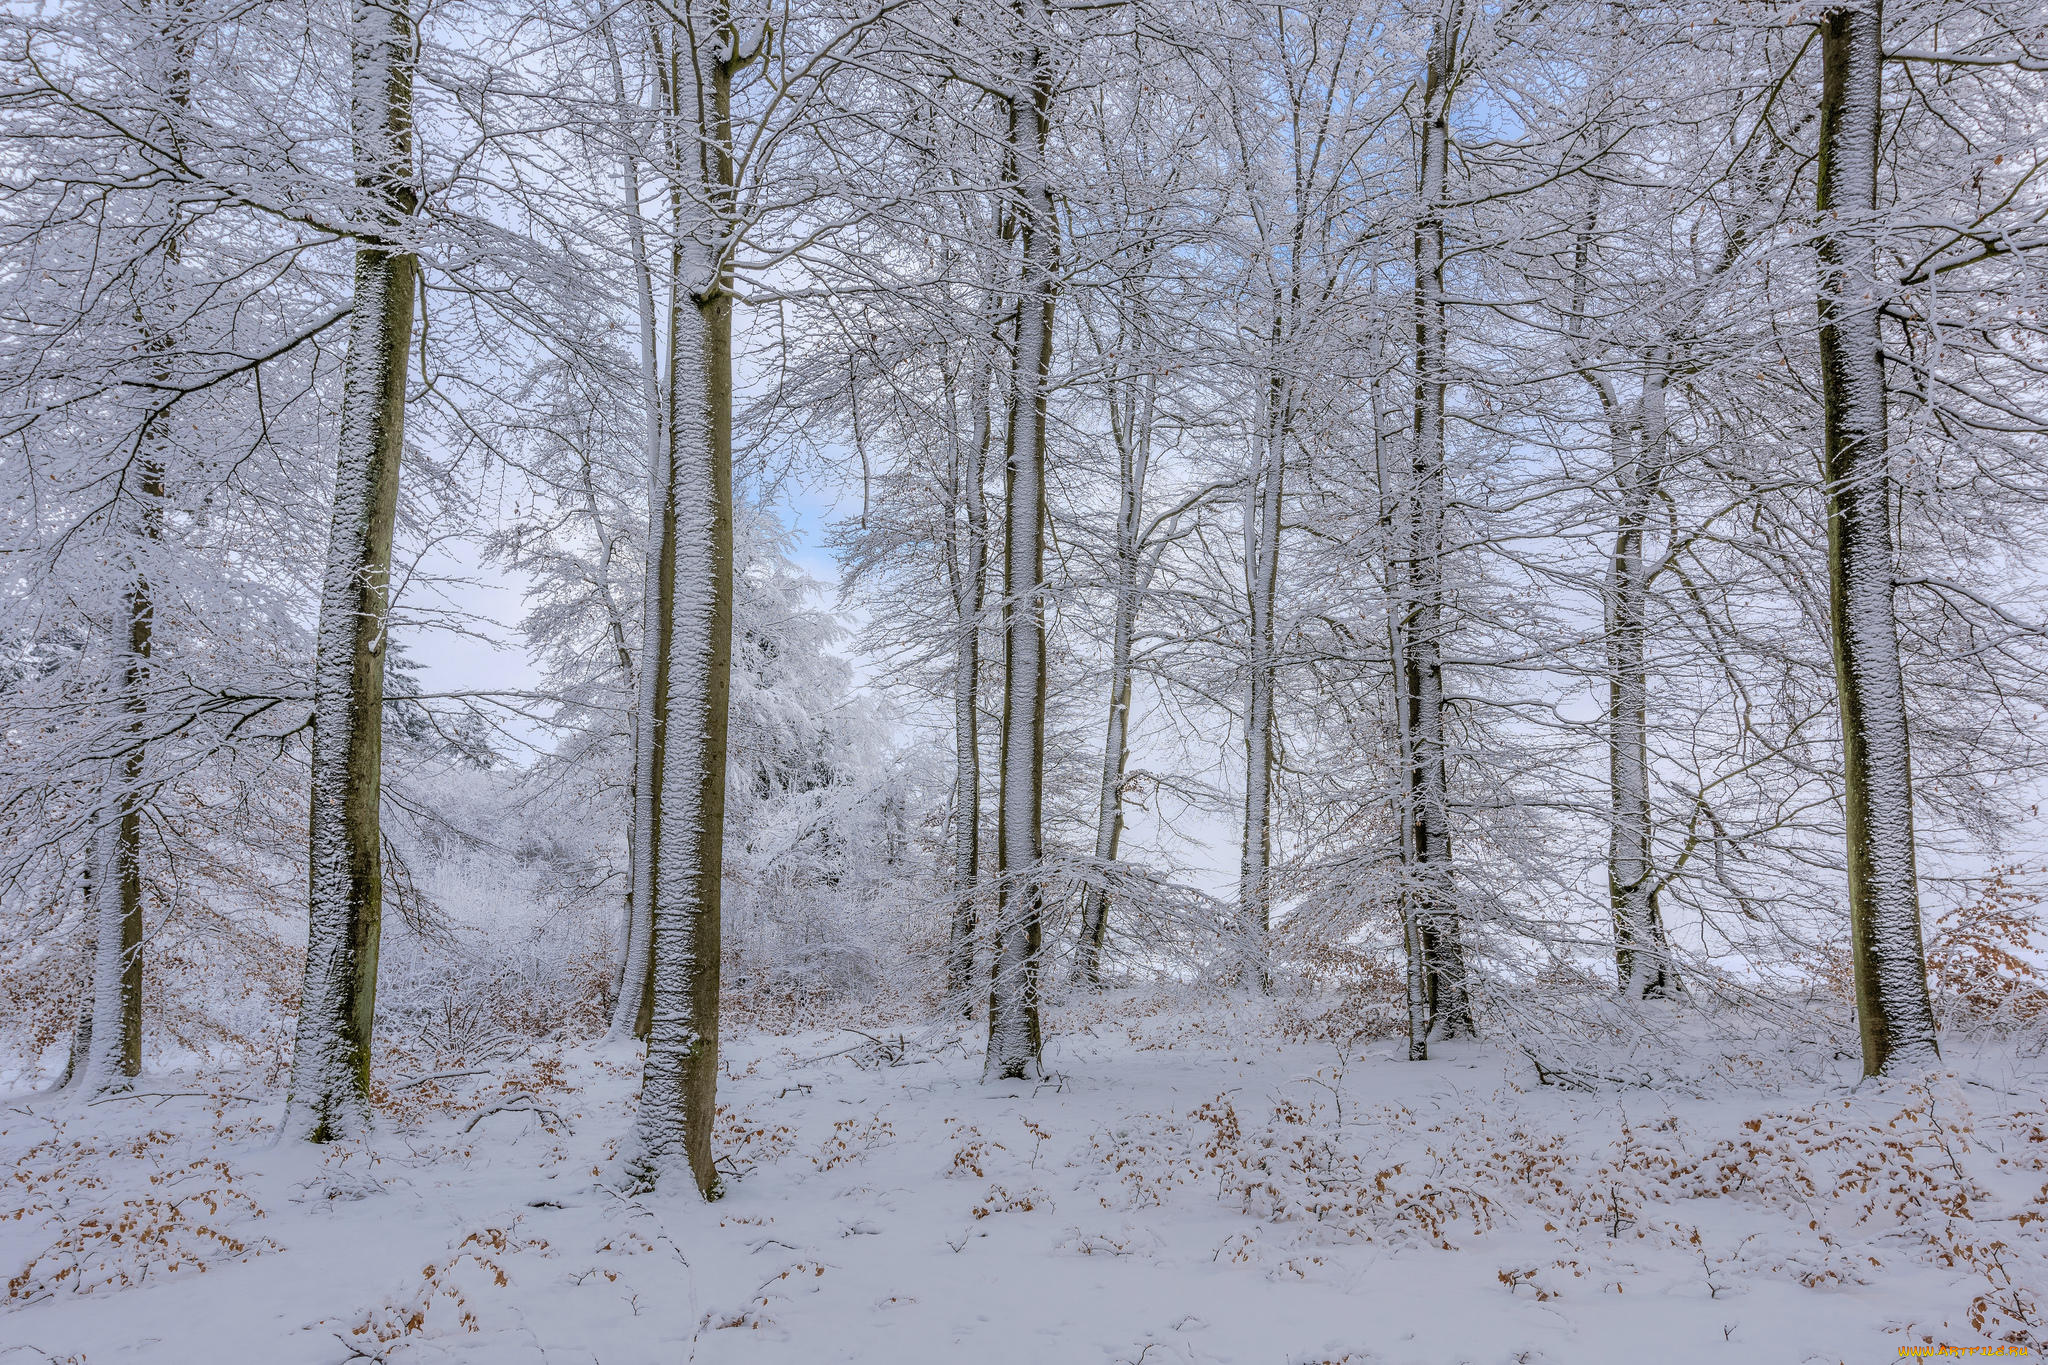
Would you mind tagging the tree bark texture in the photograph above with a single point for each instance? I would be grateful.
(1133, 402)
(678, 1094)
(1434, 935)
(630, 1009)
(1892, 1006)
(331, 1059)
(112, 1010)
(1013, 1016)
(967, 561)
(1642, 952)
(1262, 578)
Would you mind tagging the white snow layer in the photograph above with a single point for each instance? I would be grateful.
(1186, 1188)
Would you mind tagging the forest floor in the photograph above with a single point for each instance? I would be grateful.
(1188, 1186)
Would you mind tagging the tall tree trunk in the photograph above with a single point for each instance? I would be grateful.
(81, 1030)
(967, 561)
(966, 807)
(1262, 578)
(1013, 1023)
(1131, 428)
(107, 1045)
(1434, 934)
(110, 1045)
(678, 1092)
(331, 1059)
(1892, 1004)
(1642, 953)
(113, 1052)
(1397, 509)
(622, 655)
(631, 1005)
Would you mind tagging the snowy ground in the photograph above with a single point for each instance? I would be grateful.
(1187, 1189)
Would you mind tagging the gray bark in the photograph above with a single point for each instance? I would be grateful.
(112, 1010)
(967, 562)
(1892, 1006)
(1013, 1017)
(1435, 942)
(1396, 509)
(1262, 577)
(636, 941)
(1131, 417)
(1642, 953)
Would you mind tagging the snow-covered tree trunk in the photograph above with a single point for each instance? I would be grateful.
(1642, 953)
(1262, 578)
(634, 1010)
(112, 1051)
(1892, 1003)
(966, 805)
(622, 654)
(1013, 1024)
(1435, 933)
(672, 1134)
(967, 562)
(331, 1057)
(1131, 430)
(1397, 511)
(81, 1031)
(108, 1043)
(630, 1007)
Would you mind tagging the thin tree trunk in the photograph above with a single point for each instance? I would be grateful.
(1262, 578)
(112, 1010)
(1642, 953)
(81, 1031)
(1013, 1023)
(678, 1092)
(111, 1044)
(1131, 427)
(968, 562)
(1396, 522)
(622, 655)
(1435, 933)
(1892, 1004)
(331, 1059)
(630, 1005)
(966, 810)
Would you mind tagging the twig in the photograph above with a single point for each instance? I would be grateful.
(356, 1352)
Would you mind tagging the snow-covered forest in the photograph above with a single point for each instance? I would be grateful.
(1354, 682)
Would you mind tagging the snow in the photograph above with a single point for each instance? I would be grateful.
(1182, 1189)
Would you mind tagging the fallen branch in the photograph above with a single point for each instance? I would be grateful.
(522, 1103)
(161, 1095)
(441, 1076)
